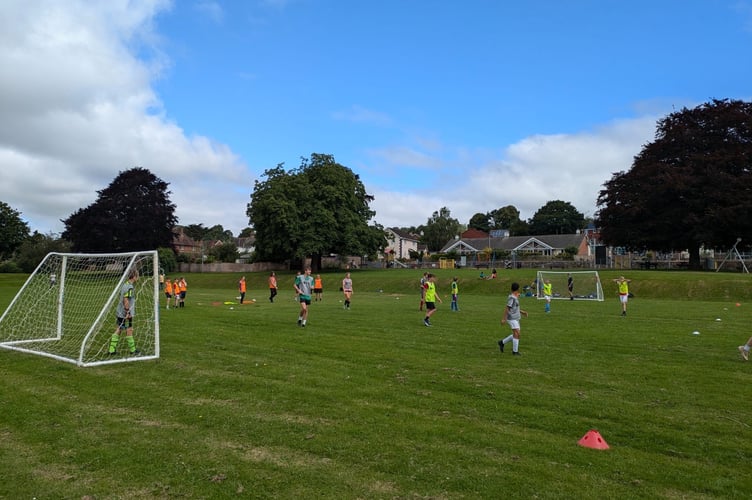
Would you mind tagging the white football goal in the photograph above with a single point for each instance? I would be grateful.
(67, 309)
(586, 285)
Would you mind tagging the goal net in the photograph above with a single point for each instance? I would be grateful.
(586, 285)
(68, 309)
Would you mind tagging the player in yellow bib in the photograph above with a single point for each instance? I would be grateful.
(547, 294)
(623, 284)
(430, 298)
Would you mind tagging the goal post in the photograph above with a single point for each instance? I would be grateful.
(67, 308)
(586, 285)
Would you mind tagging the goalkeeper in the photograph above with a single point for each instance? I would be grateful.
(126, 309)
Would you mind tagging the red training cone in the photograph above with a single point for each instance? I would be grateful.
(593, 439)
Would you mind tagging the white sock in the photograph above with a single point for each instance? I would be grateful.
(515, 345)
(508, 339)
(746, 347)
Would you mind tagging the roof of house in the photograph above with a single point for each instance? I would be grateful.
(516, 243)
(403, 234)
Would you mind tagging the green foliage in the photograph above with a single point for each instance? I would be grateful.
(507, 217)
(133, 213)
(318, 209)
(369, 403)
(10, 266)
(226, 252)
(440, 228)
(556, 217)
(13, 230)
(36, 247)
(689, 187)
(167, 259)
(198, 232)
(480, 221)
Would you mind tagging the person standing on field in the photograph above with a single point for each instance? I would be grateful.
(454, 305)
(303, 288)
(182, 292)
(241, 289)
(431, 297)
(512, 316)
(272, 286)
(347, 290)
(126, 310)
(318, 288)
(623, 284)
(570, 286)
(168, 292)
(547, 294)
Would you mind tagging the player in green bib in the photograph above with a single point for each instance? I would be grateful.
(431, 297)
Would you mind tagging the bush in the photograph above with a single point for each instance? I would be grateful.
(167, 260)
(9, 266)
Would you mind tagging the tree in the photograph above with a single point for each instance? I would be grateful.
(508, 217)
(690, 187)
(480, 221)
(225, 252)
(198, 232)
(133, 213)
(33, 250)
(556, 217)
(13, 230)
(317, 209)
(439, 229)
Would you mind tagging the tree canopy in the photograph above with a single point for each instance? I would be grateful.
(198, 232)
(320, 208)
(13, 230)
(556, 217)
(133, 213)
(690, 187)
(440, 228)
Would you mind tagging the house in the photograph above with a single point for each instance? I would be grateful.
(549, 245)
(400, 243)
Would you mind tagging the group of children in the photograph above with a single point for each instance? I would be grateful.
(512, 311)
(175, 292)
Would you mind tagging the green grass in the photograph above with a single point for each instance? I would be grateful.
(369, 403)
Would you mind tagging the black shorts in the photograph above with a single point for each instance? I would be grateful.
(318, 290)
(430, 305)
(124, 323)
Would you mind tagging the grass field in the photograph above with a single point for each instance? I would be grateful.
(369, 403)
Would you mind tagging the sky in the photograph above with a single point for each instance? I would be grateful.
(472, 105)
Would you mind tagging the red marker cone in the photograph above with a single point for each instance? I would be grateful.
(593, 439)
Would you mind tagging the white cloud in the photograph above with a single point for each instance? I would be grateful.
(78, 108)
(528, 174)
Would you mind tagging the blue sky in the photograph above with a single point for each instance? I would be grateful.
(470, 105)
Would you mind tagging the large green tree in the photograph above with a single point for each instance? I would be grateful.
(480, 221)
(319, 208)
(439, 229)
(133, 213)
(13, 230)
(508, 217)
(690, 187)
(556, 217)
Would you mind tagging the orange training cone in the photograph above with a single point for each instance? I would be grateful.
(593, 439)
